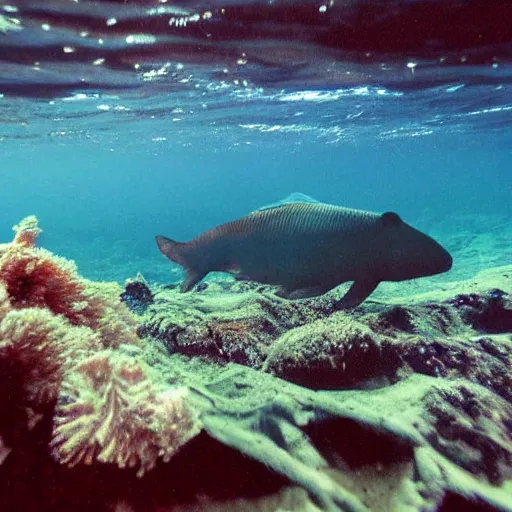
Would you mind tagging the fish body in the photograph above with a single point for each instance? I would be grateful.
(309, 248)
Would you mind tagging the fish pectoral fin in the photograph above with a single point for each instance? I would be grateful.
(358, 292)
(302, 293)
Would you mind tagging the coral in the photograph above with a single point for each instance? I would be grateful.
(109, 317)
(111, 411)
(50, 319)
(66, 348)
(26, 232)
(41, 347)
(35, 278)
(5, 303)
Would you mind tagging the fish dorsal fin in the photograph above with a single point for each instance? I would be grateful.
(294, 198)
(269, 208)
(278, 207)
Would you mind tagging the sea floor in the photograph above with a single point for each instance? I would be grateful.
(230, 398)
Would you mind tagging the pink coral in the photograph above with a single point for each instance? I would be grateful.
(58, 337)
(35, 278)
(51, 318)
(5, 303)
(112, 411)
(27, 231)
(42, 346)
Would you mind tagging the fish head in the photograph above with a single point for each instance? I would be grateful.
(407, 253)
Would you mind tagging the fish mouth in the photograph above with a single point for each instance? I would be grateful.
(445, 262)
(440, 261)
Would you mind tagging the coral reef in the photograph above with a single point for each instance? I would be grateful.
(35, 278)
(50, 317)
(54, 329)
(41, 347)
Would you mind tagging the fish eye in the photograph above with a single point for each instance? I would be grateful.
(391, 219)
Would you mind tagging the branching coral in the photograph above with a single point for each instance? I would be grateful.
(54, 329)
(35, 278)
(111, 411)
(50, 319)
(41, 347)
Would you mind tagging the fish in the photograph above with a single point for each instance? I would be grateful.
(308, 248)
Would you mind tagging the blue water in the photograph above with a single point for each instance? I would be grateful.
(181, 150)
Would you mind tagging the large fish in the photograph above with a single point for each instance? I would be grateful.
(309, 248)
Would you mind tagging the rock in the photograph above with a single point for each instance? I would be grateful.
(223, 326)
(490, 312)
(137, 295)
(331, 352)
(471, 427)
(412, 408)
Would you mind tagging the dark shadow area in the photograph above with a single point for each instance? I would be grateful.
(30, 480)
(455, 503)
(356, 445)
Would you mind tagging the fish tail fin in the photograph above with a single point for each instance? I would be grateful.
(177, 252)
